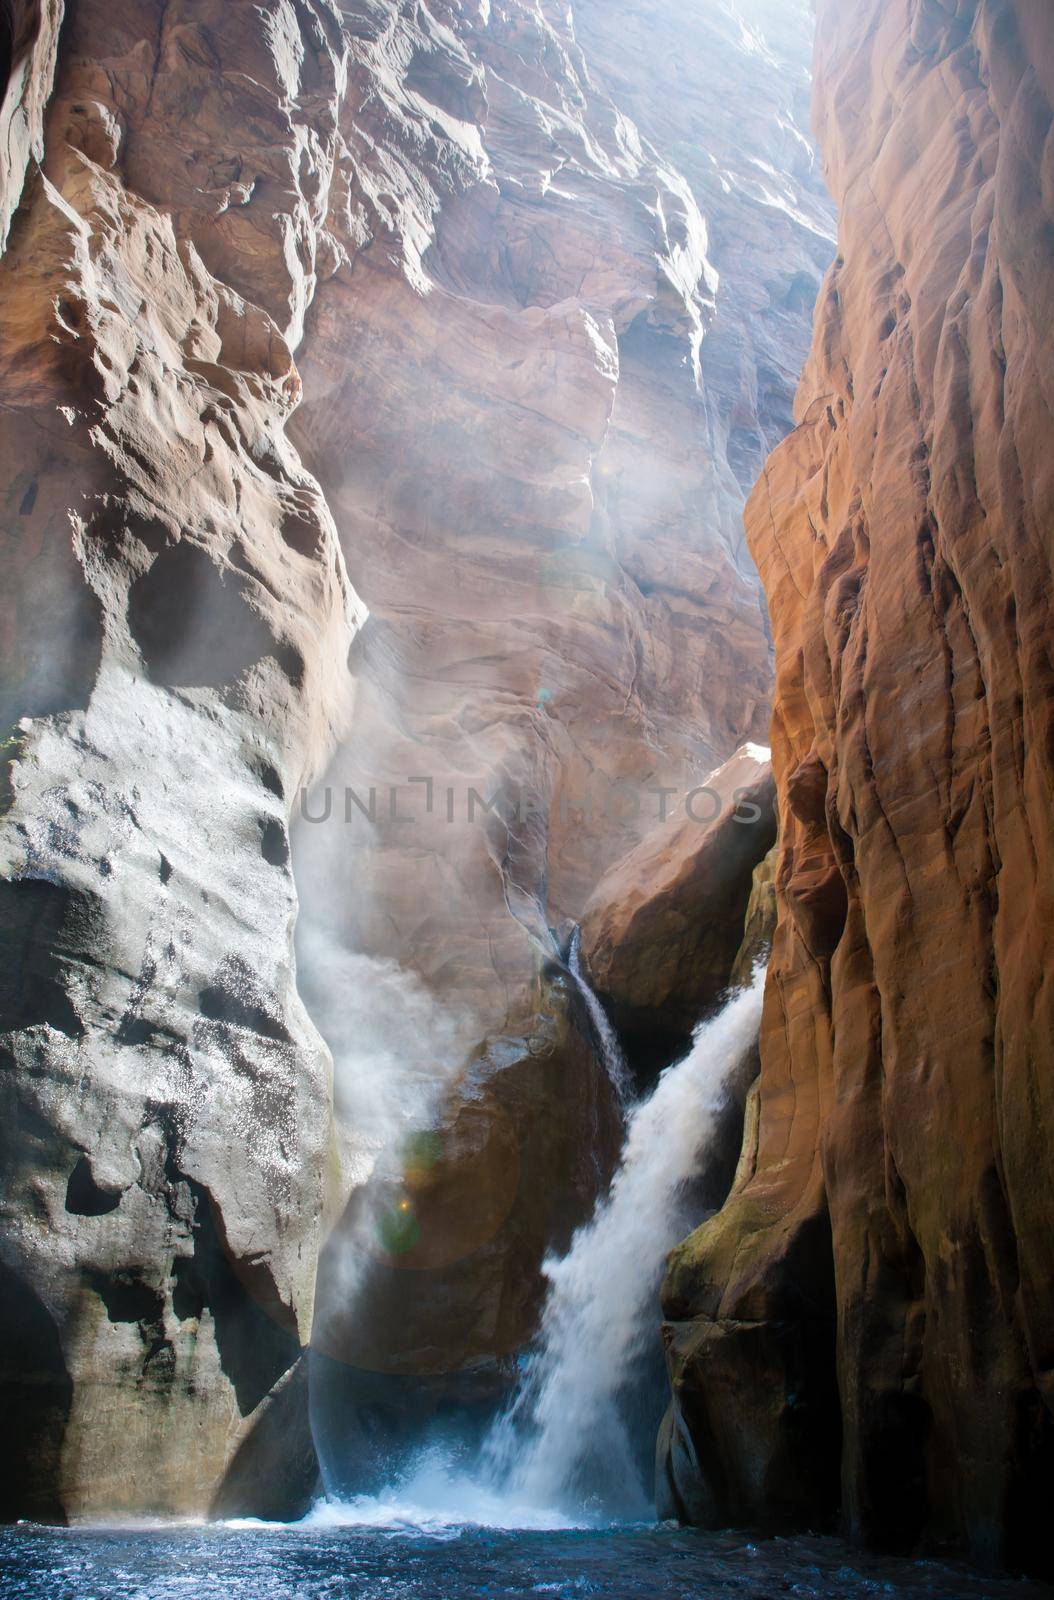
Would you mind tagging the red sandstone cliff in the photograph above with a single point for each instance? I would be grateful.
(878, 1290)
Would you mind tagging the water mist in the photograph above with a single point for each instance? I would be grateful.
(564, 1452)
(397, 1054)
(566, 1440)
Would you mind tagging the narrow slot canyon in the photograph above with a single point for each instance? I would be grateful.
(526, 772)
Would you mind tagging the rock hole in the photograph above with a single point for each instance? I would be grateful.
(135, 1030)
(274, 845)
(194, 628)
(127, 1297)
(84, 1197)
(271, 780)
(69, 314)
(302, 532)
(43, 927)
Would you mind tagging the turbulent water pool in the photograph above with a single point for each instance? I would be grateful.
(322, 1560)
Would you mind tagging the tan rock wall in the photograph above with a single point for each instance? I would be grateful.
(532, 455)
(901, 1195)
(176, 619)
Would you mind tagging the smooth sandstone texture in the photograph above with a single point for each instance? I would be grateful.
(663, 928)
(522, 412)
(874, 1303)
(176, 621)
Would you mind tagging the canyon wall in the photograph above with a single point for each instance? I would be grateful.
(307, 302)
(869, 1321)
(176, 625)
(538, 472)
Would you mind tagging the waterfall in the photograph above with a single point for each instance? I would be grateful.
(565, 1452)
(610, 1049)
(565, 1442)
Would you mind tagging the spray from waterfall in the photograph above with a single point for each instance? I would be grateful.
(566, 1441)
(566, 1451)
(396, 1057)
(614, 1061)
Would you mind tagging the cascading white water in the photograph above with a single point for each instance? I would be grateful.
(564, 1442)
(563, 1453)
(611, 1051)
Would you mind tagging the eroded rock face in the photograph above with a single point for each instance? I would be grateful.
(533, 403)
(303, 292)
(29, 35)
(175, 658)
(723, 90)
(662, 931)
(894, 1218)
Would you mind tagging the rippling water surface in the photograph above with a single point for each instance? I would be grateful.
(330, 1559)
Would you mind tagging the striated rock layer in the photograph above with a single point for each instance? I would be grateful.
(874, 1303)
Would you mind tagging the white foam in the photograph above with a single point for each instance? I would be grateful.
(439, 1500)
(563, 1456)
(565, 1434)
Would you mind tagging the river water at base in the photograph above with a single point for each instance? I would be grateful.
(371, 1551)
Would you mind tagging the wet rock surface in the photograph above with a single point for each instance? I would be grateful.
(533, 467)
(892, 1223)
(663, 929)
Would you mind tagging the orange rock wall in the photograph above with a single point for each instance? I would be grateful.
(898, 1209)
